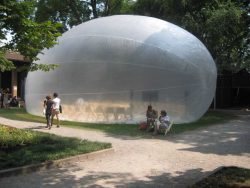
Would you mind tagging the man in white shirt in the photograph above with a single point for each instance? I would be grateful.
(56, 109)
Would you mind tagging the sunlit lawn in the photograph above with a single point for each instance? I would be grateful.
(20, 147)
(208, 119)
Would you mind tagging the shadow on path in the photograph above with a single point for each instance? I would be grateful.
(232, 138)
(64, 178)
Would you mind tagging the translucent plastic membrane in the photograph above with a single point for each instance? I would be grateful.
(112, 68)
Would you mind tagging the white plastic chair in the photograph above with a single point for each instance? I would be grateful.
(169, 127)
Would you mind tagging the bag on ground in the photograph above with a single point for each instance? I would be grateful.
(143, 126)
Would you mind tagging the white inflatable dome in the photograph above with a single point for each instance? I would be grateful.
(112, 68)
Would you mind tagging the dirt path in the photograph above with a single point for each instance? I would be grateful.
(174, 161)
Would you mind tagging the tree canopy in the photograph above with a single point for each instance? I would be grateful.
(224, 28)
(222, 25)
(74, 12)
(27, 36)
(36, 24)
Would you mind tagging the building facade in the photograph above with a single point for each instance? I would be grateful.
(233, 90)
(15, 79)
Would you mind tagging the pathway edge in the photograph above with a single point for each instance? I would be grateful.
(56, 163)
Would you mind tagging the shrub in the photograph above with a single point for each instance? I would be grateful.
(20, 147)
(12, 137)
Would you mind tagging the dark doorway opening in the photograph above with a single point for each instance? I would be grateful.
(6, 80)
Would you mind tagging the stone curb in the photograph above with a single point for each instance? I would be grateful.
(55, 163)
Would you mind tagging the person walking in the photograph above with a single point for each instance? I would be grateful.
(6, 96)
(48, 103)
(1, 98)
(56, 109)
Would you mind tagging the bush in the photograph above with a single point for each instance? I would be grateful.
(20, 147)
(12, 138)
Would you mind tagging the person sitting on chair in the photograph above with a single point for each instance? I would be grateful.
(164, 123)
(13, 102)
(151, 118)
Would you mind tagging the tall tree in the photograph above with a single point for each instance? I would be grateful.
(170, 10)
(74, 12)
(67, 12)
(224, 28)
(28, 37)
(222, 25)
(110, 7)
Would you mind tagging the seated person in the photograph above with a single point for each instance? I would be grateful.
(164, 123)
(151, 118)
(13, 102)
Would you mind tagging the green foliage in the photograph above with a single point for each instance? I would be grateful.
(5, 64)
(170, 10)
(12, 138)
(226, 177)
(28, 37)
(32, 37)
(127, 7)
(222, 25)
(22, 147)
(71, 13)
(114, 7)
(43, 67)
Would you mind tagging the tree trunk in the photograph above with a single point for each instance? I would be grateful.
(93, 5)
(106, 11)
(72, 5)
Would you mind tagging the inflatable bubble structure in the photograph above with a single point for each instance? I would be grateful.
(112, 68)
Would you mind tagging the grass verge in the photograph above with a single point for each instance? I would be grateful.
(20, 147)
(227, 177)
(210, 118)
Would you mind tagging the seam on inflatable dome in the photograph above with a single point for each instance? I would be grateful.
(123, 91)
(146, 44)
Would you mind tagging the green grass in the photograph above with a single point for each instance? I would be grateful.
(208, 119)
(20, 114)
(20, 147)
(227, 177)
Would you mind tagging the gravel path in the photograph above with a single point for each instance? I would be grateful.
(171, 161)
